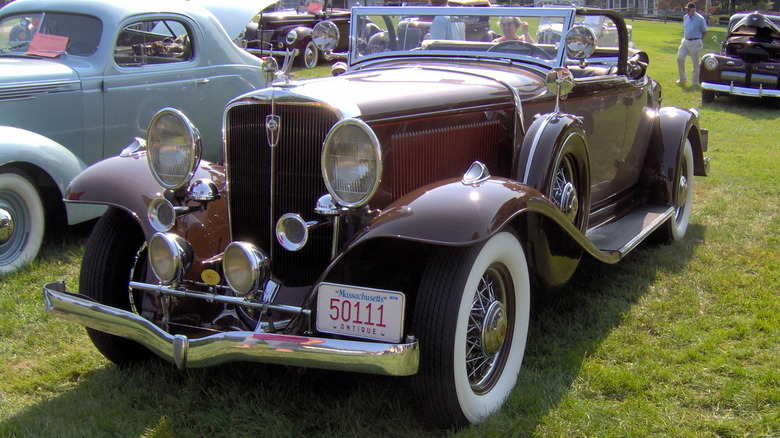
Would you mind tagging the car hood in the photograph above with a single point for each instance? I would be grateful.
(234, 14)
(18, 72)
(755, 21)
(414, 90)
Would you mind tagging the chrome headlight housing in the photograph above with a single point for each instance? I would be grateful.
(351, 163)
(710, 63)
(170, 256)
(291, 37)
(173, 148)
(246, 267)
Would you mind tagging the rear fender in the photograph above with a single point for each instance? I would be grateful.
(674, 126)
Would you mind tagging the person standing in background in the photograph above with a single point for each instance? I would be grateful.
(694, 30)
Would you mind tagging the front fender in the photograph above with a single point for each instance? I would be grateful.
(22, 146)
(450, 213)
(126, 182)
(27, 148)
(453, 213)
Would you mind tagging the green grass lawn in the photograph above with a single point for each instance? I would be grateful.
(675, 341)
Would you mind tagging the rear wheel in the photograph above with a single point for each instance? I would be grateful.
(677, 225)
(471, 318)
(22, 220)
(115, 253)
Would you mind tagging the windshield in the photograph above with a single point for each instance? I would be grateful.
(82, 32)
(496, 32)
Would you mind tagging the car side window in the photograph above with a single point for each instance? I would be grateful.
(153, 42)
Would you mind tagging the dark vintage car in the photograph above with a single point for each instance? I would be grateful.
(394, 219)
(749, 61)
(288, 28)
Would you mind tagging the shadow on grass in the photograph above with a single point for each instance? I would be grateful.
(239, 399)
(758, 108)
(569, 324)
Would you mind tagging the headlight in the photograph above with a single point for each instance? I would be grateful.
(351, 163)
(170, 256)
(710, 63)
(173, 148)
(245, 266)
(291, 38)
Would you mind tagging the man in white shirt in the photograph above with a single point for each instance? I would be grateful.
(694, 30)
(443, 28)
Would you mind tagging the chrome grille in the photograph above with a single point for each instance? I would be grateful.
(739, 77)
(764, 79)
(298, 183)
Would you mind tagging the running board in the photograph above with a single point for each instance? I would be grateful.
(620, 237)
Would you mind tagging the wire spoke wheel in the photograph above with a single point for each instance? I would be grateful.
(471, 317)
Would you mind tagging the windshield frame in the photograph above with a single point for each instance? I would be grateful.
(356, 59)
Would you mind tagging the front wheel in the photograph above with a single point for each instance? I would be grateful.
(310, 56)
(114, 254)
(677, 225)
(471, 318)
(707, 96)
(22, 222)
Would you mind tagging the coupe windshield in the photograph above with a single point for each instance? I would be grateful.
(498, 32)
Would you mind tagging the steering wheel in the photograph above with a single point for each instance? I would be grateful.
(520, 47)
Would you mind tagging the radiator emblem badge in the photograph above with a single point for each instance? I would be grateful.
(272, 129)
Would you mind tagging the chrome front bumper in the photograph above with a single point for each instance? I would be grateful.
(298, 351)
(740, 91)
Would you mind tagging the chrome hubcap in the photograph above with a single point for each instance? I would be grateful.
(6, 226)
(494, 329)
(568, 202)
(488, 330)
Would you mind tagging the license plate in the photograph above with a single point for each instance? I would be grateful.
(360, 312)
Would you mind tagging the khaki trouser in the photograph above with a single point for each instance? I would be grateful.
(690, 48)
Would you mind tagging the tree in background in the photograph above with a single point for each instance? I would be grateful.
(726, 7)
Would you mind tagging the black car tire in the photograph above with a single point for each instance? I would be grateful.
(707, 96)
(677, 225)
(21, 200)
(114, 251)
(469, 362)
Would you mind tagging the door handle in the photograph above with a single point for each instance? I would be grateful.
(202, 81)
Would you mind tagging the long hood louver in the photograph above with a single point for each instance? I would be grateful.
(28, 91)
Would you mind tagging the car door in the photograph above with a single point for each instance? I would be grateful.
(156, 64)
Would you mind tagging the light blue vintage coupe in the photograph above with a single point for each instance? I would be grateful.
(79, 79)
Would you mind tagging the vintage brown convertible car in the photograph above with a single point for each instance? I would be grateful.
(394, 219)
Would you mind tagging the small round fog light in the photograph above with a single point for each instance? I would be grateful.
(292, 232)
(246, 267)
(170, 256)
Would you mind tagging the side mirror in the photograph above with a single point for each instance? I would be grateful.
(580, 42)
